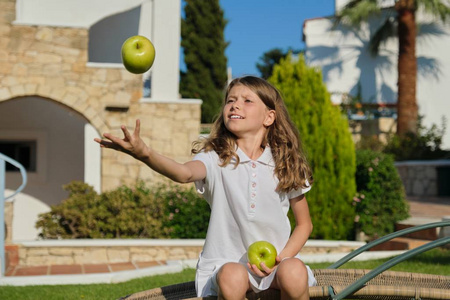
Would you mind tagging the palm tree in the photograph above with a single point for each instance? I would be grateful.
(402, 25)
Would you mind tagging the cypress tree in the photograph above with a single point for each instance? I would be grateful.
(328, 145)
(272, 57)
(202, 33)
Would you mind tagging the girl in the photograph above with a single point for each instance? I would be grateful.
(250, 169)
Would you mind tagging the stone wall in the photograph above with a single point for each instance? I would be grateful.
(168, 127)
(379, 127)
(52, 63)
(69, 252)
(8, 217)
(37, 256)
(420, 178)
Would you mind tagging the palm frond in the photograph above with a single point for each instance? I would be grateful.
(383, 33)
(351, 4)
(437, 8)
(355, 12)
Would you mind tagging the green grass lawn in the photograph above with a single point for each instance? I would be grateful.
(436, 261)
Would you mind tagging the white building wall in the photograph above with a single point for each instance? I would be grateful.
(344, 59)
(26, 214)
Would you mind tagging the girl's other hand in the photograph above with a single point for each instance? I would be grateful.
(130, 144)
(265, 270)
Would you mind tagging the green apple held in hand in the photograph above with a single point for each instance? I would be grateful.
(138, 54)
(262, 251)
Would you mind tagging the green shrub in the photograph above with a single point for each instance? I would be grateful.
(380, 199)
(423, 145)
(64, 220)
(370, 142)
(121, 213)
(166, 211)
(131, 213)
(187, 214)
(328, 144)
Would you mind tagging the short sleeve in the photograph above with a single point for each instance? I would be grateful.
(200, 185)
(298, 192)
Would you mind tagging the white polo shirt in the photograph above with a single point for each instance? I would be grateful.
(245, 208)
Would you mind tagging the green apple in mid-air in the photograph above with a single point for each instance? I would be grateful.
(262, 251)
(138, 54)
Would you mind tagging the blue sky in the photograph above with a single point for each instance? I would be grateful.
(257, 26)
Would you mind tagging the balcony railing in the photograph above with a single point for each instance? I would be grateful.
(3, 160)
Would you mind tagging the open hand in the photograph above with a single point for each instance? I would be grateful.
(130, 144)
(265, 270)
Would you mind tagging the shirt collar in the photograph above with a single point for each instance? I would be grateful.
(265, 158)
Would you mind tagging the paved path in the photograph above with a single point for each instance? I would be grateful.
(80, 269)
(429, 207)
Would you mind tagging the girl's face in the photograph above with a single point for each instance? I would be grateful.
(245, 114)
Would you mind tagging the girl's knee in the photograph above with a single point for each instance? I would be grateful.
(232, 270)
(292, 269)
(232, 276)
(292, 279)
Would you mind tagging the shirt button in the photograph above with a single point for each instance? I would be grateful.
(253, 205)
(253, 195)
(253, 174)
(253, 184)
(253, 165)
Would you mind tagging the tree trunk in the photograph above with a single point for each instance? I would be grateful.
(407, 109)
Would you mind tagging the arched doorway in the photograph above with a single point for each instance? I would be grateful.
(55, 144)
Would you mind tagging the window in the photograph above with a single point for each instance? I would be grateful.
(147, 93)
(107, 36)
(22, 151)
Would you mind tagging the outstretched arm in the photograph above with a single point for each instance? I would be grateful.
(133, 145)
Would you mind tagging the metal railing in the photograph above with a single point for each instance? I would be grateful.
(3, 160)
(360, 283)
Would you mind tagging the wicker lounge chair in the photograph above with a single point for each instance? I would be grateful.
(336, 283)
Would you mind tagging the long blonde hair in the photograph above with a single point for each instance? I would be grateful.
(291, 167)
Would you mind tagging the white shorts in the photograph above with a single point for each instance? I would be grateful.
(206, 278)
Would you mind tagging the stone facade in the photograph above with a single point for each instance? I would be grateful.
(52, 63)
(97, 255)
(169, 128)
(420, 178)
(70, 252)
(8, 220)
(379, 127)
